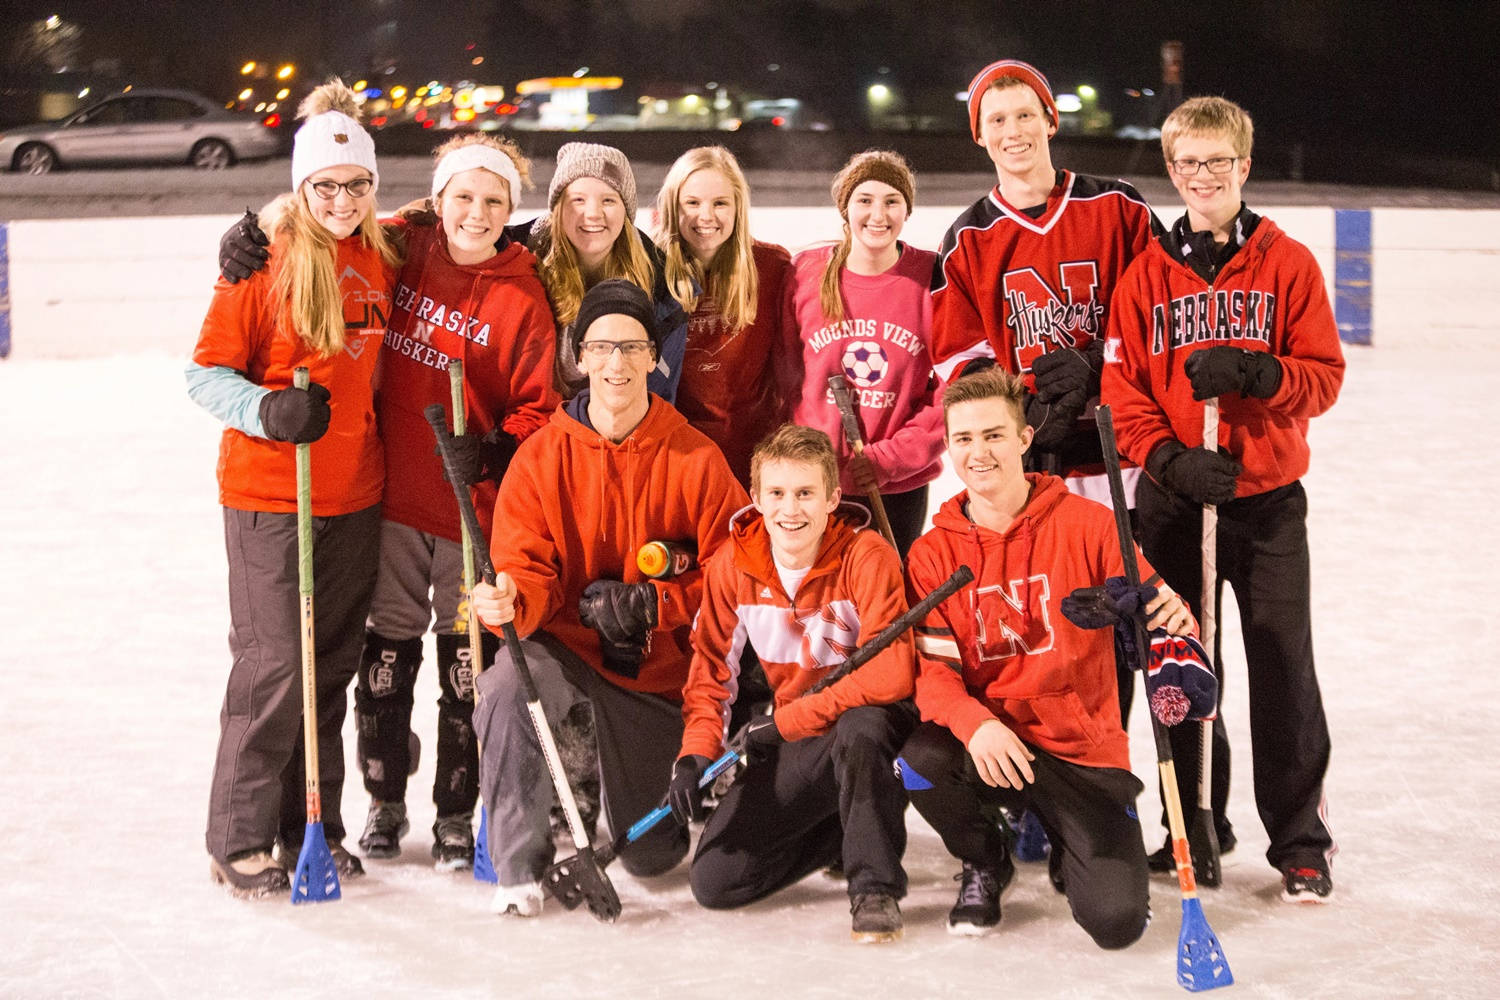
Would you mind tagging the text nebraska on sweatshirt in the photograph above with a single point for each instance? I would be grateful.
(434, 315)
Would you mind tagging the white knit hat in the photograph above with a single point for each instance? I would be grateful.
(331, 139)
(477, 156)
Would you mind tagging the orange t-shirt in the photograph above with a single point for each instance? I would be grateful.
(248, 330)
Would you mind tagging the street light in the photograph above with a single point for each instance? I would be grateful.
(248, 68)
(285, 72)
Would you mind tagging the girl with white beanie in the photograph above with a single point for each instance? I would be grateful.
(321, 304)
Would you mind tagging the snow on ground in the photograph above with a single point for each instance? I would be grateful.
(113, 658)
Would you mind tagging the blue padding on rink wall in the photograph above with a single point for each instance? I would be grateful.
(4, 290)
(1351, 275)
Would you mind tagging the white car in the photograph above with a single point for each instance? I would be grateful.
(138, 126)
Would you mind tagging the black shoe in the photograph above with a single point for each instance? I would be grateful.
(385, 825)
(347, 864)
(978, 908)
(250, 875)
(1310, 884)
(453, 842)
(876, 918)
(1161, 860)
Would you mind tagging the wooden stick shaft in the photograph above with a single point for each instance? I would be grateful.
(845, 402)
(476, 654)
(301, 380)
(1208, 608)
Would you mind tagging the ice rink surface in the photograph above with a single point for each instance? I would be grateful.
(113, 658)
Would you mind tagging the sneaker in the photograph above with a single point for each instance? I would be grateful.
(250, 875)
(876, 918)
(978, 908)
(347, 864)
(384, 827)
(524, 900)
(1162, 862)
(453, 843)
(1306, 885)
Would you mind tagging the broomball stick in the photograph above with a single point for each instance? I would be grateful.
(597, 891)
(841, 396)
(483, 868)
(559, 880)
(1200, 958)
(317, 876)
(1203, 837)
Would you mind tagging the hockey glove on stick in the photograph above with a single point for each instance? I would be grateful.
(242, 249)
(1217, 370)
(683, 794)
(1201, 476)
(1053, 422)
(1058, 373)
(296, 415)
(482, 458)
(1106, 606)
(761, 737)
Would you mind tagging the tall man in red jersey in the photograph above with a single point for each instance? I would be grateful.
(1018, 703)
(615, 467)
(1025, 275)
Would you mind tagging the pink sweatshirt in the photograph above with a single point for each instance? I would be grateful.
(881, 347)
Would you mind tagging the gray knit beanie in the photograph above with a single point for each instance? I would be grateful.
(590, 159)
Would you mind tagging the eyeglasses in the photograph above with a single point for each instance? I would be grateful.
(329, 190)
(634, 350)
(1217, 165)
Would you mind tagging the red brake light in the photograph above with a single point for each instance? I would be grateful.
(271, 120)
(778, 121)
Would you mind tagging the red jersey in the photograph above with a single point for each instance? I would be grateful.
(249, 330)
(1268, 297)
(1012, 287)
(852, 591)
(494, 317)
(1001, 648)
(575, 507)
(733, 381)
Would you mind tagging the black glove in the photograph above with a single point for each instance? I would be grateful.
(1201, 476)
(1102, 607)
(296, 415)
(683, 794)
(242, 249)
(481, 458)
(1059, 373)
(1217, 370)
(1052, 422)
(762, 737)
(619, 612)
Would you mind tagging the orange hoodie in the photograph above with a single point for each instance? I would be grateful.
(1000, 648)
(852, 592)
(575, 507)
(250, 332)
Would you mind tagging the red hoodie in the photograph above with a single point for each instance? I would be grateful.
(249, 330)
(493, 316)
(1269, 297)
(1000, 648)
(852, 592)
(575, 507)
(733, 381)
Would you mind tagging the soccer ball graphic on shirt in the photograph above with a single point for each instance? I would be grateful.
(865, 363)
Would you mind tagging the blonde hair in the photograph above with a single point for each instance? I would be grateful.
(731, 276)
(794, 443)
(1208, 116)
(501, 144)
(873, 164)
(989, 383)
(306, 278)
(562, 273)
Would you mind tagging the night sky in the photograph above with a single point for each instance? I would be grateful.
(1416, 76)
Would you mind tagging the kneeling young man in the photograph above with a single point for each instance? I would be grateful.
(614, 468)
(1019, 705)
(802, 583)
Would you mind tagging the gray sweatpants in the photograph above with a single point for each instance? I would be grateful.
(638, 735)
(257, 790)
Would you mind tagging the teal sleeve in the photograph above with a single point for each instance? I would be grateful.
(228, 395)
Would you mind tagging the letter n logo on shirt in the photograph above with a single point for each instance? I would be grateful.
(1013, 620)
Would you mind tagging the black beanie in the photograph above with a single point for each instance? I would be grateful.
(615, 295)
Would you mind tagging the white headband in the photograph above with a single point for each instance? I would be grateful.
(477, 156)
